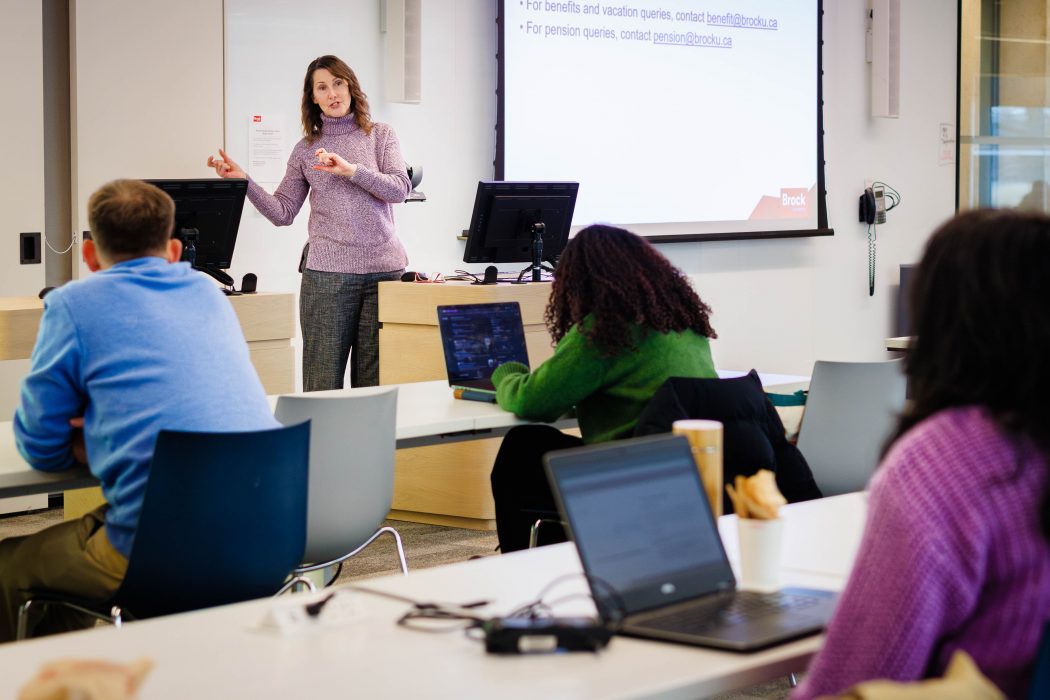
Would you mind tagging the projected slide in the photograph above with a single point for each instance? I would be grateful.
(694, 116)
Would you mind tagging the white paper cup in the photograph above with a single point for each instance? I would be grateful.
(760, 547)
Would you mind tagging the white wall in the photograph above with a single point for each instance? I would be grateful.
(779, 305)
(451, 133)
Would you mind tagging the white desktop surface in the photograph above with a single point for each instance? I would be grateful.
(222, 652)
(427, 413)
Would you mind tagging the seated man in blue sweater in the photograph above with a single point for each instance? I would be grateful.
(145, 344)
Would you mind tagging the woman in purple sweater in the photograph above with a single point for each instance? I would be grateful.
(353, 171)
(956, 552)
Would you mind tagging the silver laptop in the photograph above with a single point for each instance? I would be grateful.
(478, 338)
(652, 554)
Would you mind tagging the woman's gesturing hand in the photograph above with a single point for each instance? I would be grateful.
(334, 163)
(225, 167)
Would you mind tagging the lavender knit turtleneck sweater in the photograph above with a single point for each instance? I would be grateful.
(351, 219)
(952, 558)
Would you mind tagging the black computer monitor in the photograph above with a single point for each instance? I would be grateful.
(503, 227)
(207, 216)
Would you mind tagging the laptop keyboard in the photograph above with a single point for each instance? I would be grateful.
(720, 611)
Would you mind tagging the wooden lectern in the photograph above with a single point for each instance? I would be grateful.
(446, 484)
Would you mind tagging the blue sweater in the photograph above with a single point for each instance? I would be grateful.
(140, 347)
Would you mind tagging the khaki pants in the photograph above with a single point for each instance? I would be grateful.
(74, 558)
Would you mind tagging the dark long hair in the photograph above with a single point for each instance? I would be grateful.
(311, 111)
(621, 281)
(980, 315)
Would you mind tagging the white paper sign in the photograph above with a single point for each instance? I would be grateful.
(266, 156)
(946, 145)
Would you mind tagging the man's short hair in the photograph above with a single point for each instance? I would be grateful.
(130, 218)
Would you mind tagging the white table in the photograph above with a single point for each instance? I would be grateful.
(224, 653)
(427, 414)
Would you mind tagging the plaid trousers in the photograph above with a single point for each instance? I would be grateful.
(339, 317)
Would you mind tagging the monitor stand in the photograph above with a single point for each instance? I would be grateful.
(537, 266)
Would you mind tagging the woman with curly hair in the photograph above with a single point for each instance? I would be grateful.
(353, 171)
(624, 320)
(956, 550)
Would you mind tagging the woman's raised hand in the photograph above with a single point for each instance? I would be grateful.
(225, 167)
(334, 163)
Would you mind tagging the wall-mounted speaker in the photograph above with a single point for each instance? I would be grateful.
(885, 58)
(402, 23)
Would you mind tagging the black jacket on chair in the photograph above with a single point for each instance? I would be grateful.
(753, 435)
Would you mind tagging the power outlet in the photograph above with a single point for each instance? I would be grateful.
(29, 248)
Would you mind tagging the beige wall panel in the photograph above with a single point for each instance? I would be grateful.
(21, 141)
(147, 92)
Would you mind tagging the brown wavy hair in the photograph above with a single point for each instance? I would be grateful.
(979, 325)
(311, 111)
(622, 282)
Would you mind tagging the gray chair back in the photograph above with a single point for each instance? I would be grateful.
(851, 410)
(352, 444)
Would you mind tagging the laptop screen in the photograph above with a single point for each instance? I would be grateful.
(478, 338)
(640, 520)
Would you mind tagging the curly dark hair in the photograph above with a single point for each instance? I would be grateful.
(981, 335)
(311, 111)
(621, 281)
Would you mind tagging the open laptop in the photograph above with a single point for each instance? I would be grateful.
(478, 338)
(652, 554)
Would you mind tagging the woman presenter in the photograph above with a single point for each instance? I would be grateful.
(353, 172)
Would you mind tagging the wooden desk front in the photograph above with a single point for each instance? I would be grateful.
(446, 484)
(267, 320)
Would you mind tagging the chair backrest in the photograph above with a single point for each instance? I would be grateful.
(352, 445)
(223, 520)
(1040, 688)
(851, 411)
(753, 435)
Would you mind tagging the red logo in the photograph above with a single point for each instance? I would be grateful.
(257, 118)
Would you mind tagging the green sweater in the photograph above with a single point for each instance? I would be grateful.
(608, 393)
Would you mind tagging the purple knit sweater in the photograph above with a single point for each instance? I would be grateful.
(351, 225)
(952, 558)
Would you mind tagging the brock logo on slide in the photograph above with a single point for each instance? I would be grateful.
(794, 199)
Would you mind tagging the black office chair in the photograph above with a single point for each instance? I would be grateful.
(223, 520)
(753, 435)
(1040, 689)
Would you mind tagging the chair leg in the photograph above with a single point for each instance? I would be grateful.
(383, 530)
(534, 531)
(23, 620)
(293, 584)
(116, 615)
(400, 547)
